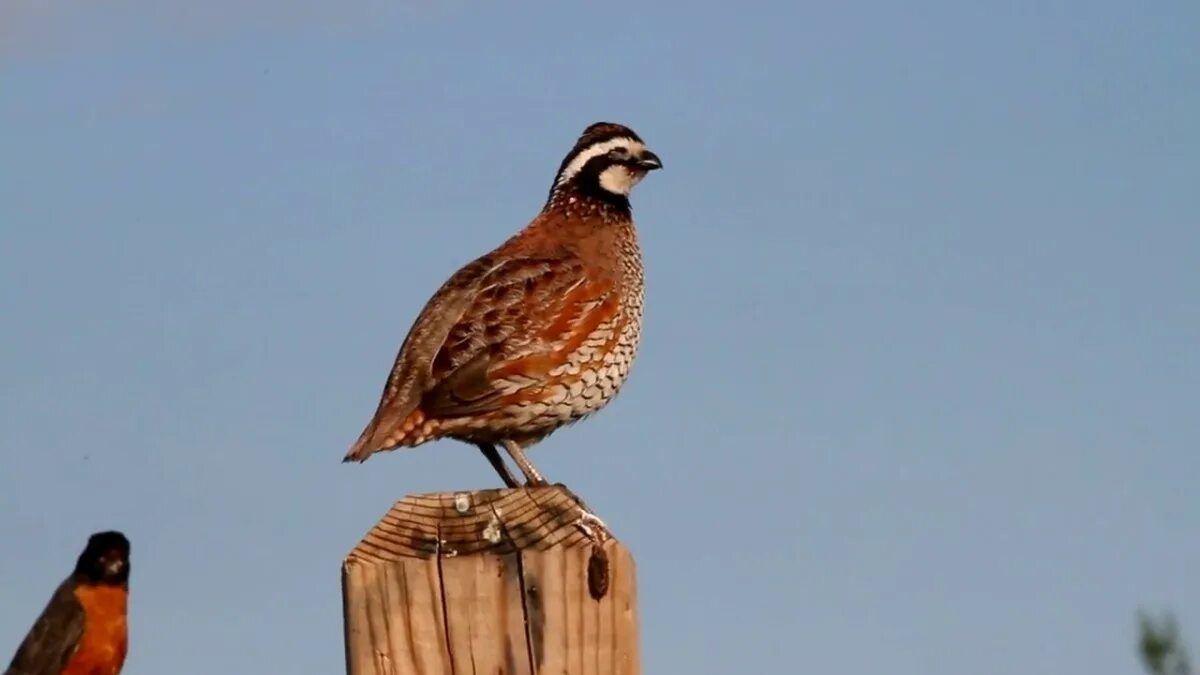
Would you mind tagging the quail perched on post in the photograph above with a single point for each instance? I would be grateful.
(538, 333)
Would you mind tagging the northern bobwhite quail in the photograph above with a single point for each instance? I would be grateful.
(540, 332)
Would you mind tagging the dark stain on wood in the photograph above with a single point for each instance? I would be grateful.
(535, 619)
(510, 659)
(598, 573)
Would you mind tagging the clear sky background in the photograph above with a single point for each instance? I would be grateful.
(918, 386)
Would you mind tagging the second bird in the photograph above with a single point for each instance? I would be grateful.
(536, 334)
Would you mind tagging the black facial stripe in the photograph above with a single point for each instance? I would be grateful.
(586, 183)
(584, 147)
(596, 165)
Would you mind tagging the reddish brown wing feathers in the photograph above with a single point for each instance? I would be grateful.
(411, 372)
(499, 324)
(523, 324)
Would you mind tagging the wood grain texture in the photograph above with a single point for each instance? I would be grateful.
(491, 582)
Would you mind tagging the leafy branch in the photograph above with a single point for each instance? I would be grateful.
(1161, 648)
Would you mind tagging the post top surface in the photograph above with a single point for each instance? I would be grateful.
(473, 522)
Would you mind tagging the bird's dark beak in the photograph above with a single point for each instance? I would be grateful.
(649, 161)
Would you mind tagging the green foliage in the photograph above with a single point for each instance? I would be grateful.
(1161, 648)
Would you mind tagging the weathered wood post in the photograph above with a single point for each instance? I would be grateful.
(491, 581)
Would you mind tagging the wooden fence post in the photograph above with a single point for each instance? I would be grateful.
(489, 582)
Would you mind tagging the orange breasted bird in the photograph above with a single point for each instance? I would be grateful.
(82, 630)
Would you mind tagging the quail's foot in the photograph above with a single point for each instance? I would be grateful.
(592, 527)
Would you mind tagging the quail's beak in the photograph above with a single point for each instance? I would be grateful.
(649, 161)
(114, 567)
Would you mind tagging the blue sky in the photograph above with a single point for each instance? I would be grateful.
(917, 391)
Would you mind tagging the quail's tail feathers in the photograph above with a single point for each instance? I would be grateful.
(391, 428)
(359, 452)
(373, 439)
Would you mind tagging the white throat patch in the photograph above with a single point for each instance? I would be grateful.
(576, 165)
(618, 179)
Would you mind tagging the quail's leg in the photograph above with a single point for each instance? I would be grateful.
(532, 477)
(493, 457)
(589, 523)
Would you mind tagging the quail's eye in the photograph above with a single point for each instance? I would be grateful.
(619, 154)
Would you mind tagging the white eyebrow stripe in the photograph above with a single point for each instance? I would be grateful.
(576, 165)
